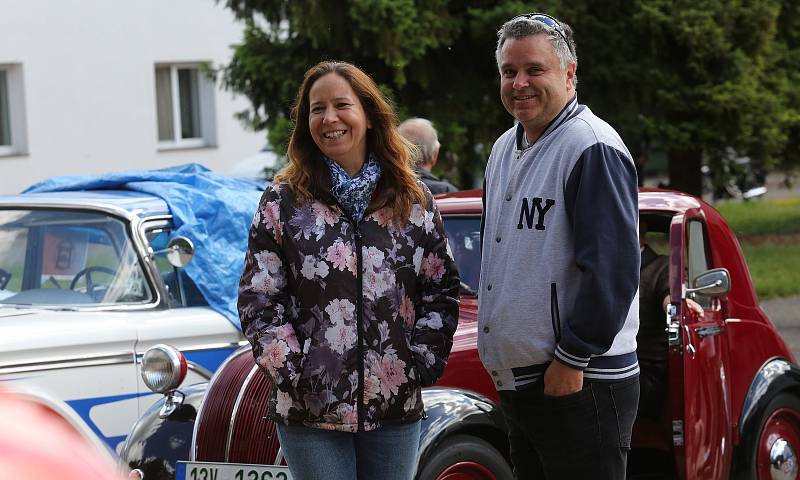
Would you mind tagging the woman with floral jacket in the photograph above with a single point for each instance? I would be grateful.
(349, 290)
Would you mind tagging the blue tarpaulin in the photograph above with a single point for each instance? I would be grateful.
(212, 210)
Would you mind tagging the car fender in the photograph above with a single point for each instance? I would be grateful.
(777, 375)
(450, 411)
(63, 411)
(157, 443)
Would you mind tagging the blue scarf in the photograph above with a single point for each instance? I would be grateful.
(354, 193)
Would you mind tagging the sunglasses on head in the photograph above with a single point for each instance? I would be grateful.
(549, 22)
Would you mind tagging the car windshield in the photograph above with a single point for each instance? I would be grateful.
(464, 237)
(59, 257)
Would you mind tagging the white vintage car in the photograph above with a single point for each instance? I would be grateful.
(89, 280)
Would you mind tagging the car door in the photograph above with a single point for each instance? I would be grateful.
(701, 414)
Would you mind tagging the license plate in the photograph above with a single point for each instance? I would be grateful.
(230, 471)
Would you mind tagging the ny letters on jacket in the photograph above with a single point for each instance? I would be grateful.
(348, 320)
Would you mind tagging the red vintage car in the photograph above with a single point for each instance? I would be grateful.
(733, 408)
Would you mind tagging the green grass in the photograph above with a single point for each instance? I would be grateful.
(767, 217)
(775, 269)
(769, 232)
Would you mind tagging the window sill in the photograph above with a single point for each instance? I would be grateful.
(186, 145)
(8, 152)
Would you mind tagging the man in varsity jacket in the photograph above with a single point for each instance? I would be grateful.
(559, 300)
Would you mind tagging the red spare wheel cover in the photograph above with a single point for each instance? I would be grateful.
(237, 398)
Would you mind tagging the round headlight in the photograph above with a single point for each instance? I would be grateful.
(163, 368)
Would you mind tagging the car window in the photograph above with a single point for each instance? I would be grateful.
(182, 291)
(697, 259)
(464, 237)
(58, 257)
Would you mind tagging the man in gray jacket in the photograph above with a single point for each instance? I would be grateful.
(558, 311)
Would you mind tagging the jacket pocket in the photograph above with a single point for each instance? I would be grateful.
(423, 377)
(555, 317)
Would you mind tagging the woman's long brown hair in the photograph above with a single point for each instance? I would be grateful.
(308, 175)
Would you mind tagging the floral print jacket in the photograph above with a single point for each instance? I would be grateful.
(348, 320)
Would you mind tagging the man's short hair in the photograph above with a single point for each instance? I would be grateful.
(521, 27)
(421, 133)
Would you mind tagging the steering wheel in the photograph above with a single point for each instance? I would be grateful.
(4, 278)
(88, 273)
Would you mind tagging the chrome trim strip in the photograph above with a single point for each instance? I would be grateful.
(68, 362)
(206, 347)
(20, 201)
(235, 411)
(279, 456)
(149, 268)
(166, 219)
(199, 369)
(99, 308)
(216, 346)
(139, 232)
(15, 312)
(199, 416)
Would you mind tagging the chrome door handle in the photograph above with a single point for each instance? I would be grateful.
(709, 331)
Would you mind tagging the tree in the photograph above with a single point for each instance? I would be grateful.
(690, 78)
(434, 60)
(786, 59)
(694, 79)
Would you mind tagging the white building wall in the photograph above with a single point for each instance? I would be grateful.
(89, 84)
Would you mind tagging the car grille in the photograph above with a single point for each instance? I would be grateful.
(253, 438)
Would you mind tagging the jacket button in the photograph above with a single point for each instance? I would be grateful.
(489, 287)
(485, 329)
(508, 197)
(494, 373)
(499, 383)
(497, 239)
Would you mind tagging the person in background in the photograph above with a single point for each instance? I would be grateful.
(559, 303)
(349, 294)
(422, 134)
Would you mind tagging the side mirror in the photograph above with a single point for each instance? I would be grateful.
(180, 251)
(711, 283)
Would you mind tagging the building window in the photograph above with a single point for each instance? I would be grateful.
(12, 111)
(184, 106)
(5, 126)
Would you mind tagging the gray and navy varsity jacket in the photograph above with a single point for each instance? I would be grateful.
(560, 253)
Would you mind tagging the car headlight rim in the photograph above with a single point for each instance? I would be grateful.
(163, 368)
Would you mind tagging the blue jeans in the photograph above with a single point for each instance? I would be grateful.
(388, 453)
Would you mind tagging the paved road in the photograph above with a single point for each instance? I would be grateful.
(785, 314)
(776, 189)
